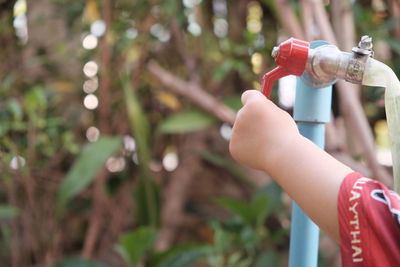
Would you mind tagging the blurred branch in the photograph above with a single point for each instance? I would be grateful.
(97, 215)
(289, 20)
(237, 19)
(394, 9)
(343, 24)
(322, 21)
(192, 91)
(307, 19)
(187, 56)
(106, 71)
(176, 193)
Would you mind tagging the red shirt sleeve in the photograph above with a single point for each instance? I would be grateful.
(369, 222)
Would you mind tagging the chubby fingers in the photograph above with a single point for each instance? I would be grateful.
(251, 95)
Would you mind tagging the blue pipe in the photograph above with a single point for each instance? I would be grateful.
(312, 111)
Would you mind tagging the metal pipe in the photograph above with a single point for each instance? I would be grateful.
(326, 63)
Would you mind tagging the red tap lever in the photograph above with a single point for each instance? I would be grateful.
(291, 57)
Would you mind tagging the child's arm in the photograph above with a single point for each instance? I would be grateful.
(266, 138)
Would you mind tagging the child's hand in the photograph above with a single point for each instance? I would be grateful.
(262, 132)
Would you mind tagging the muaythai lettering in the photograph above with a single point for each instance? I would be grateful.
(355, 230)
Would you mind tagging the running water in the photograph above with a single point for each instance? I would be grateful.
(378, 74)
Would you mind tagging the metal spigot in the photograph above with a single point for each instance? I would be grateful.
(327, 63)
(364, 46)
(322, 66)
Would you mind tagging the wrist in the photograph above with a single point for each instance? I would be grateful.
(279, 155)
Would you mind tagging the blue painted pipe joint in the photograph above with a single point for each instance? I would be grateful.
(312, 110)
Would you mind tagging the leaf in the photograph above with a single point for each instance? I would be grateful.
(77, 262)
(134, 245)
(187, 121)
(35, 99)
(15, 108)
(227, 164)
(180, 255)
(253, 213)
(274, 193)
(147, 202)
(186, 257)
(85, 167)
(222, 70)
(7, 211)
(91, 12)
(260, 209)
(394, 44)
(234, 102)
(270, 258)
(147, 194)
(169, 100)
(238, 208)
(138, 123)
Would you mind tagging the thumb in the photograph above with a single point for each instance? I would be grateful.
(251, 94)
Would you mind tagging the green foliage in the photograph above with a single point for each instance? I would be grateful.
(226, 164)
(234, 102)
(242, 240)
(147, 195)
(77, 262)
(7, 211)
(253, 213)
(267, 259)
(186, 121)
(147, 202)
(46, 126)
(134, 245)
(180, 256)
(394, 44)
(230, 65)
(274, 194)
(138, 122)
(86, 166)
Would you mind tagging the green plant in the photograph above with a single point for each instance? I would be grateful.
(243, 240)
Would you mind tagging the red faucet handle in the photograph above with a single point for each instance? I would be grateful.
(269, 79)
(291, 57)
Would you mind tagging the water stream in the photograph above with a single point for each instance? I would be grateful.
(378, 74)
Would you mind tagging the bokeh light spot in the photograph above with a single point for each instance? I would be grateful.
(131, 33)
(98, 28)
(191, 3)
(194, 29)
(91, 85)
(92, 134)
(91, 101)
(17, 162)
(170, 161)
(160, 32)
(220, 27)
(90, 69)
(226, 131)
(135, 158)
(256, 61)
(129, 143)
(90, 42)
(115, 164)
